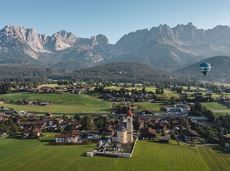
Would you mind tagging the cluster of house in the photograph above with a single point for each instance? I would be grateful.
(128, 95)
(122, 135)
(203, 97)
(29, 125)
(178, 109)
(162, 129)
(32, 126)
(33, 103)
(6, 111)
(225, 101)
(75, 89)
(116, 138)
(43, 89)
(79, 88)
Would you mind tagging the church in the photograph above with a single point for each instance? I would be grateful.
(125, 134)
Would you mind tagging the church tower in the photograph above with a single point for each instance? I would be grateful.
(129, 125)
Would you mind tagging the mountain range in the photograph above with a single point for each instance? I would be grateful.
(163, 47)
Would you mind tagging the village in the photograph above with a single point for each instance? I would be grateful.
(181, 120)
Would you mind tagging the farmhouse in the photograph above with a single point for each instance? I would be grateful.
(148, 133)
(109, 132)
(189, 135)
(30, 133)
(174, 110)
(73, 137)
(31, 129)
(146, 113)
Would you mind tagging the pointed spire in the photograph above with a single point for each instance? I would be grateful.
(129, 113)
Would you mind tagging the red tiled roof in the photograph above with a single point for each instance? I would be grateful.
(152, 131)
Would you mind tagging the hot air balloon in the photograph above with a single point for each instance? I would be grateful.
(205, 68)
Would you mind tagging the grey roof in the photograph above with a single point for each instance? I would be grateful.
(121, 129)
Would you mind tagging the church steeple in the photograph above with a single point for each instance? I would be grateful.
(129, 113)
(129, 125)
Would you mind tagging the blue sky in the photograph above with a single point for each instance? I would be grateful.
(113, 18)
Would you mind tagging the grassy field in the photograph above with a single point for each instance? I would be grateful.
(154, 107)
(215, 160)
(61, 103)
(32, 155)
(137, 87)
(48, 85)
(194, 88)
(217, 108)
(168, 94)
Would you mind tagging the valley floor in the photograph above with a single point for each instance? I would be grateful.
(60, 103)
(33, 155)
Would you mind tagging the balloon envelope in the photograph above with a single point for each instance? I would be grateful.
(205, 67)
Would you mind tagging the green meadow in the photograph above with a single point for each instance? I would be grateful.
(217, 108)
(68, 103)
(137, 87)
(153, 107)
(60, 103)
(33, 155)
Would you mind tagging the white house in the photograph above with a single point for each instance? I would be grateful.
(68, 138)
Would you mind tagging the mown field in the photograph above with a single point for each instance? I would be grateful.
(137, 87)
(167, 93)
(217, 108)
(32, 155)
(48, 85)
(153, 107)
(215, 160)
(68, 103)
(61, 103)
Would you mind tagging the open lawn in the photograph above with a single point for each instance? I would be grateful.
(215, 160)
(217, 108)
(32, 155)
(194, 88)
(168, 94)
(154, 107)
(48, 85)
(137, 87)
(61, 103)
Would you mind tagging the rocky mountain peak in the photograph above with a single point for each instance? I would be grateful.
(102, 39)
(22, 39)
(13, 32)
(61, 40)
(64, 34)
